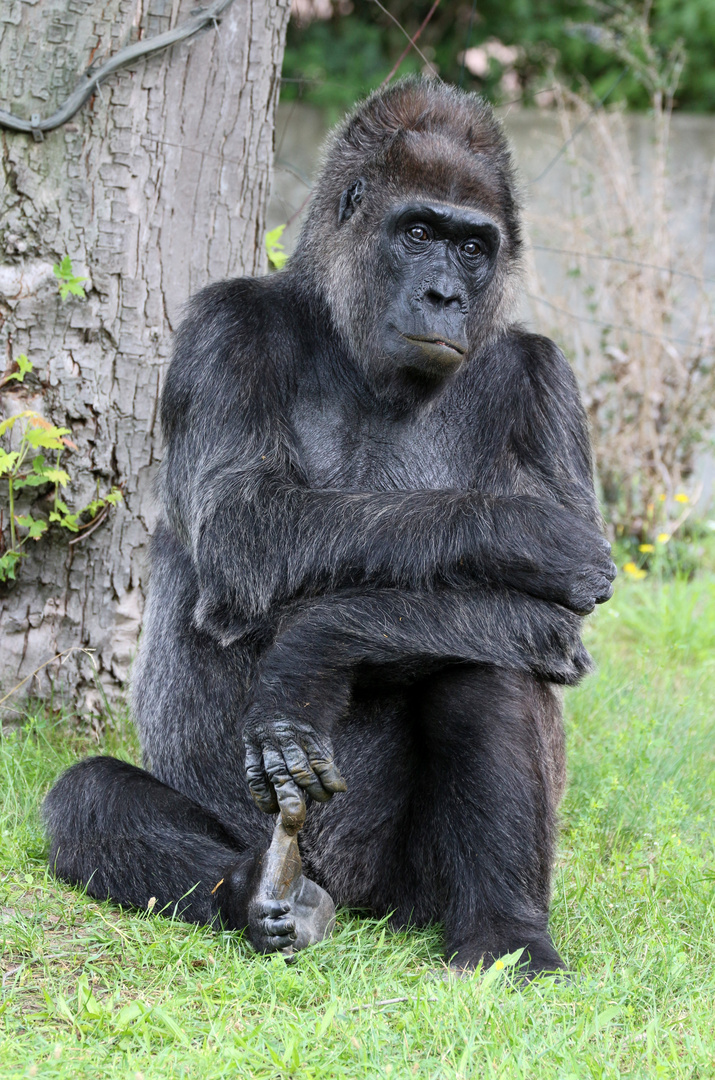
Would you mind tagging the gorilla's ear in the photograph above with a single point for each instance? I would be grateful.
(350, 199)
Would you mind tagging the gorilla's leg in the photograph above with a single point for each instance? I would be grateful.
(175, 834)
(494, 769)
(489, 754)
(127, 837)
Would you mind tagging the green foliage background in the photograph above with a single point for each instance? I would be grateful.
(333, 62)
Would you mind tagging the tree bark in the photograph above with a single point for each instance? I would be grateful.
(156, 187)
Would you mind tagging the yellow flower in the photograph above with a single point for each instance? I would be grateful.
(663, 538)
(681, 497)
(634, 571)
(499, 965)
(646, 547)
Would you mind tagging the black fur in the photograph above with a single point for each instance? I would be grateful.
(379, 535)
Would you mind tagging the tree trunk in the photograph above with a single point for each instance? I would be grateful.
(156, 187)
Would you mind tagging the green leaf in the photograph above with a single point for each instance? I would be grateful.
(9, 423)
(7, 564)
(57, 476)
(131, 1012)
(31, 480)
(93, 507)
(24, 366)
(36, 526)
(277, 256)
(7, 461)
(86, 1001)
(37, 529)
(48, 439)
(66, 279)
(68, 521)
(64, 270)
(38, 463)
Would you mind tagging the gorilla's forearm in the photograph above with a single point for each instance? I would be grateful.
(286, 542)
(410, 633)
(307, 676)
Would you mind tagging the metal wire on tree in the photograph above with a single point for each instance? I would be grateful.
(92, 79)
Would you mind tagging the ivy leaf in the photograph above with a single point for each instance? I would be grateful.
(24, 365)
(48, 439)
(65, 521)
(277, 256)
(56, 476)
(31, 480)
(9, 423)
(37, 529)
(7, 461)
(7, 564)
(67, 282)
(36, 526)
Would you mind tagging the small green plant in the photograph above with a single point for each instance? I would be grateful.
(277, 255)
(66, 280)
(31, 466)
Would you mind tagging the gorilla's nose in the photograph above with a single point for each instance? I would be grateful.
(442, 296)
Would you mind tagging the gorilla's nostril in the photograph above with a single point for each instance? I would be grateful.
(441, 300)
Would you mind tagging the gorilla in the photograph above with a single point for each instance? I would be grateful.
(379, 538)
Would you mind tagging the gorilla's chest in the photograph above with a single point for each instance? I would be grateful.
(362, 453)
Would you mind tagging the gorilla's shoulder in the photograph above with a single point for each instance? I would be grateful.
(534, 351)
(227, 346)
(535, 361)
(234, 312)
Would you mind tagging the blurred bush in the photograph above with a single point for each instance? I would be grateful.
(338, 50)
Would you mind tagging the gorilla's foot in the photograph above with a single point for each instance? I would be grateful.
(287, 911)
(538, 958)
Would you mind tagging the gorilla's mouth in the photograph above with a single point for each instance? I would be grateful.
(438, 355)
(440, 342)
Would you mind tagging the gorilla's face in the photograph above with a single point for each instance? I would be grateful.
(440, 258)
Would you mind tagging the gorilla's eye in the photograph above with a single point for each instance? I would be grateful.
(418, 232)
(472, 248)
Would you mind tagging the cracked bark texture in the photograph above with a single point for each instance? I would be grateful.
(156, 187)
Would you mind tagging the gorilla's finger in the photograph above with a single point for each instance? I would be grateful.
(258, 782)
(329, 775)
(302, 773)
(321, 761)
(291, 801)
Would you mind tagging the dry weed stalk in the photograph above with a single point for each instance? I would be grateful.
(650, 390)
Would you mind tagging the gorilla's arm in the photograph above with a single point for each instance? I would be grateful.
(235, 493)
(307, 675)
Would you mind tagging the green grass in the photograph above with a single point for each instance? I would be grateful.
(89, 991)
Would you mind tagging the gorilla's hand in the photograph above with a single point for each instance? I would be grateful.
(552, 645)
(284, 759)
(560, 558)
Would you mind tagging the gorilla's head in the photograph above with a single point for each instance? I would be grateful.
(413, 233)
